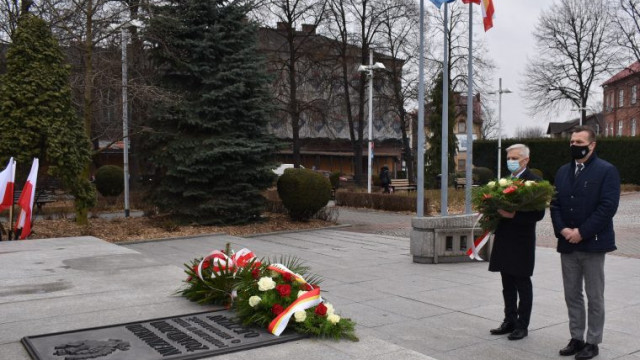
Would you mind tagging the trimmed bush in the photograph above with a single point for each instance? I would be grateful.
(482, 174)
(110, 180)
(303, 192)
(388, 202)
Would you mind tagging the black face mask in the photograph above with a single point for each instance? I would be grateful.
(579, 152)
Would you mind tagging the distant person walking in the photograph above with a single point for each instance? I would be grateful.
(513, 253)
(588, 192)
(385, 179)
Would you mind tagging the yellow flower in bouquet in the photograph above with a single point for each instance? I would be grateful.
(510, 195)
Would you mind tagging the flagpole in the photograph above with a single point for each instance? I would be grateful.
(420, 130)
(468, 163)
(444, 166)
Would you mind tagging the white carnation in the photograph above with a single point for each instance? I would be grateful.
(330, 309)
(266, 284)
(503, 182)
(333, 318)
(491, 184)
(300, 316)
(529, 182)
(254, 301)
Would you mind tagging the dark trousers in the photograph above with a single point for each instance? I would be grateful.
(512, 288)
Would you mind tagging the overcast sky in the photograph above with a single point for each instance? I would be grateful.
(510, 43)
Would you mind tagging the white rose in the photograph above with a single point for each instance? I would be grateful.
(300, 316)
(301, 292)
(491, 184)
(254, 301)
(266, 284)
(330, 309)
(503, 182)
(333, 318)
(528, 183)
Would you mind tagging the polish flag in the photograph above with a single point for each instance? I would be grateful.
(7, 178)
(26, 201)
(487, 12)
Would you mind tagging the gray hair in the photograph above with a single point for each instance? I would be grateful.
(524, 149)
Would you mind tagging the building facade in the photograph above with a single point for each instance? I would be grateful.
(622, 102)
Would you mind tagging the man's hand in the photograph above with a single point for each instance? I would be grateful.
(506, 214)
(572, 235)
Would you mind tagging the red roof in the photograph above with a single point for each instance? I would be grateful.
(626, 72)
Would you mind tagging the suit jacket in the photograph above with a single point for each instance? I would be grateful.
(514, 244)
(588, 203)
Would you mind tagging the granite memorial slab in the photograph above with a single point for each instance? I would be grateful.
(191, 336)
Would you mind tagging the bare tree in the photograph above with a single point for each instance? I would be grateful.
(628, 21)
(576, 46)
(298, 60)
(530, 132)
(362, 16)
(489, 127)
(399, 38)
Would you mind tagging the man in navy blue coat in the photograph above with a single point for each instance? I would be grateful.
(588, 192)
(513, 253)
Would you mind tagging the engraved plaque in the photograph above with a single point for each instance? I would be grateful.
(191, 336)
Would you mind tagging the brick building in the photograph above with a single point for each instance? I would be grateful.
(621, 102)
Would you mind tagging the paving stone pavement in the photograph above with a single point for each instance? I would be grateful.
(626, 224)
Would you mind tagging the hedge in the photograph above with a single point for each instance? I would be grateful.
(548, 155)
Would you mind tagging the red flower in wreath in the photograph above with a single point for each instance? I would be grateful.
(486, 196)
(510, 189)
(284, 290)
(287, 277)
(255, 273)
(321, 309)
(206, 264)
(277, 309)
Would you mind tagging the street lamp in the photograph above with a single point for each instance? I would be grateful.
(500, 92)
(368, 69)
(125, 108)
(583, 114)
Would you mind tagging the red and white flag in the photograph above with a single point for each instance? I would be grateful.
(26, 201)
(487, 12)
(7, 179)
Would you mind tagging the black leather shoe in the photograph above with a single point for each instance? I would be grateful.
(518, 334)
(505, 328)
(589, 351)
(572, 348)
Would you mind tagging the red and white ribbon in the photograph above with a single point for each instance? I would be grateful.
(281, 269)
(307, 300)
(220, 261)
(479, 242)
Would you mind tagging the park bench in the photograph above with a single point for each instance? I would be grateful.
(42, 197)
(460, 182)
(401, 184)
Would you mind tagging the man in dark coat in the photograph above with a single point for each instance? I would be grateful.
(588, 192)
(513, 253)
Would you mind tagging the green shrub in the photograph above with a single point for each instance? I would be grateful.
(482, 174)
(110, 180)
(334, 178)
(388, 202)
(303, 192)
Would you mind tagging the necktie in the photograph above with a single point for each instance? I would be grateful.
(579, 168)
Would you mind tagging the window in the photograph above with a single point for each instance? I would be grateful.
(621, 98)
(633, 127)
(634, 93)
(620, 128)
(462, 127)
(606, 130)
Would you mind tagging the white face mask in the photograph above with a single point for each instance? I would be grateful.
(513, 165)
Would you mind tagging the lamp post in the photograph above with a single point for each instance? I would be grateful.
(583, 114)
(125, 109)
(500, 92)
(368, 70)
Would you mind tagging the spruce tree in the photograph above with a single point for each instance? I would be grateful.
(433, 155)
(36, 112)
(210, 144)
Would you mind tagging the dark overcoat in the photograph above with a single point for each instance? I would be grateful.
(514, 244)
(588, 203)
